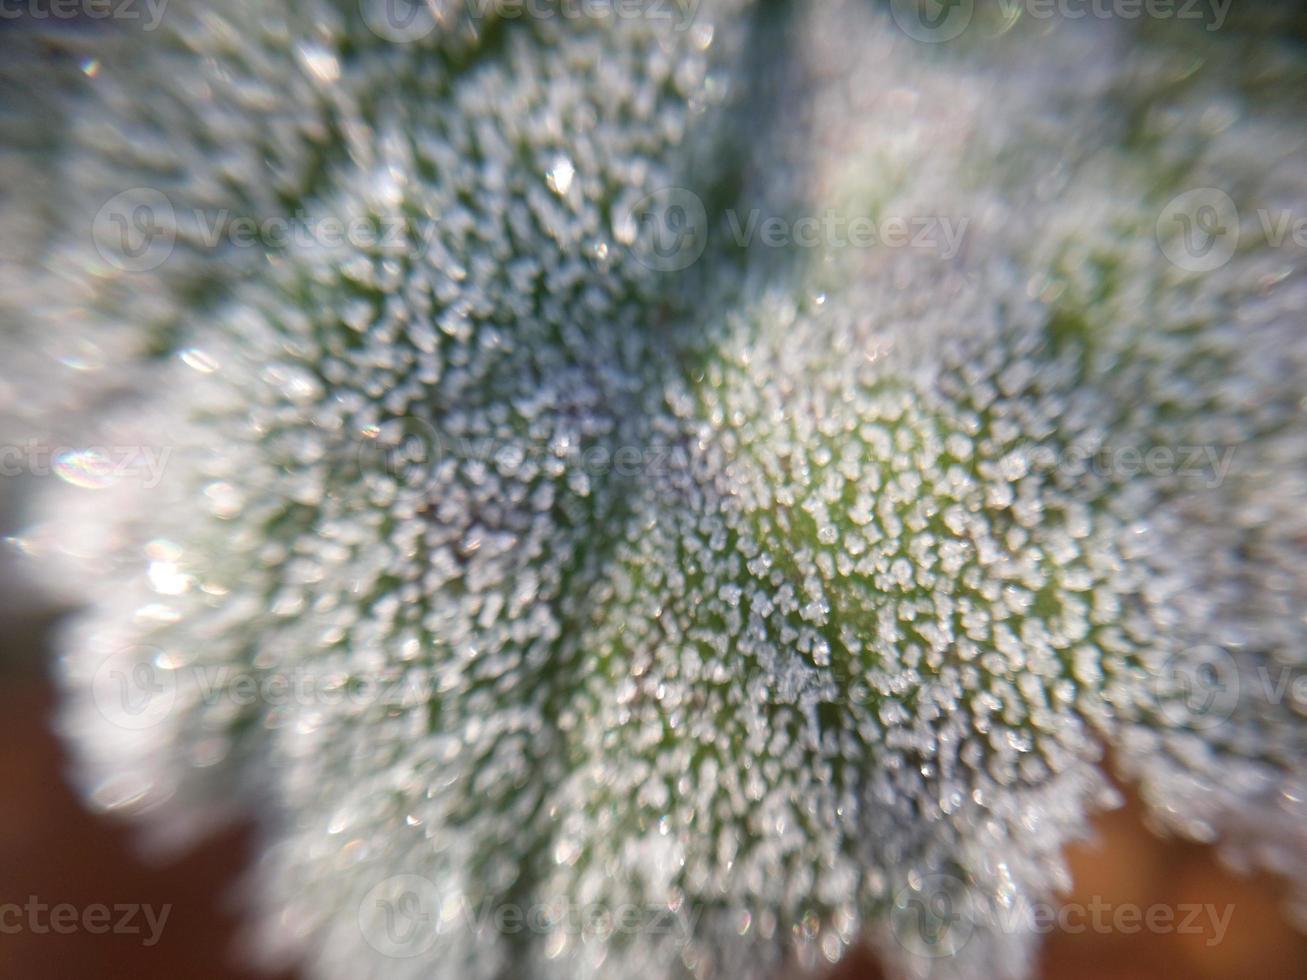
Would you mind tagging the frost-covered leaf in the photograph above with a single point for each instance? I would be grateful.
(535, 544)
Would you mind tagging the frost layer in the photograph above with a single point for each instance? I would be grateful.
(517, 563)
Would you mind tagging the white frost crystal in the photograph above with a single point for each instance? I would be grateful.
(752, 601)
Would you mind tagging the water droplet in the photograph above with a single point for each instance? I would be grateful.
(560, 176)
(87, 468)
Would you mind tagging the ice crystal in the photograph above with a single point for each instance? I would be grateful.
(552, 548)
